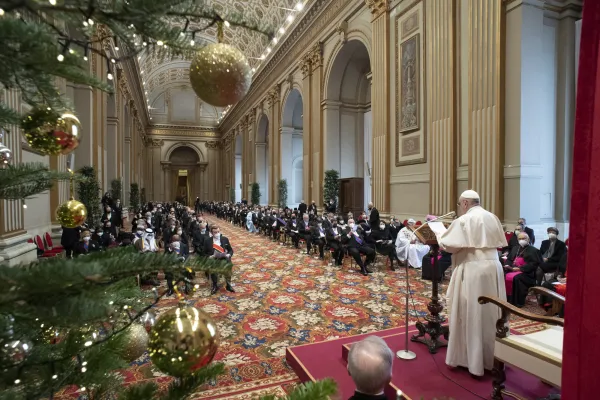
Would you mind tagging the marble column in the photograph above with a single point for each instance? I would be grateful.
(274, 147)
(380, 103)
(83, 96)
(566, 77)
(332, 144)
(440, 77)
(213, 159)
(485, 103)
(127, 168)
(317, 140)
(111, 151)
(14, 248)
(251, 152)
(306, 68)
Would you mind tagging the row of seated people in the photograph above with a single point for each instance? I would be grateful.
(526, 266)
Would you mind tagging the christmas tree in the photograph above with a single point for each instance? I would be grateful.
(79, 321)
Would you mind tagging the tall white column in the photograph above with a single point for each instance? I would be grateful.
(530, 114)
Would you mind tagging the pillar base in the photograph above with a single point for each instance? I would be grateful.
(16, 250)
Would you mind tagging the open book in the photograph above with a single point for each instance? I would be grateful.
(437, 227)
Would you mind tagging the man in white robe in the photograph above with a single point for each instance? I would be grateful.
(408, 246)
(473, 239)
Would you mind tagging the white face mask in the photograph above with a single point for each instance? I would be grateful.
(351, 225)
(179, 232)
(382, 227)
(217, 235)
(552, 236)
(517, 231)
(523, 243)
(86, 238)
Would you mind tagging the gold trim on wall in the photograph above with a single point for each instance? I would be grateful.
(404, 48)
(422, 132)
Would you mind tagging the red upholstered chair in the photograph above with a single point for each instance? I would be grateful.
(50, 246)
(43, 253)
(419, 223)
(567, 242)
(405, 223)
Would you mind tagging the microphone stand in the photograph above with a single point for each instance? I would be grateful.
(406, 354)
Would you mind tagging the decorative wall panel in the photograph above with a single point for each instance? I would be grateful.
(409, 63)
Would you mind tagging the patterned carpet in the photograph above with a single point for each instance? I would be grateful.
(285, 298)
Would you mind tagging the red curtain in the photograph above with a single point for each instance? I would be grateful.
(581, 354)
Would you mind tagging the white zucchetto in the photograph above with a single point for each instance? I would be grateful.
(470, 195)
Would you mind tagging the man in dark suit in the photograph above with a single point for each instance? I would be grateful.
(528, 230)
(218, 246)
(318, 237)
(199, 235)
(181, 250)
(69, 239)
(305, 233)
(302, 208)
(356, 243)
(334, 241)
(381, 237)
(370, 366)
(552, 250)
(373, 216)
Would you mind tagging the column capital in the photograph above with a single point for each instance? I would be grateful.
(252, 117)
(154, 142)
(316, 56)
(213, 145)
(378, 7)
(305, 66)
(166, 165)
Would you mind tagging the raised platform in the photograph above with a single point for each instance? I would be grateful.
(427, 377)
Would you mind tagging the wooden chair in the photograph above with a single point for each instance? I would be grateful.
(538, 353)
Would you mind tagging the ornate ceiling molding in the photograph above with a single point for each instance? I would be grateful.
(315, 23)
(178, 130)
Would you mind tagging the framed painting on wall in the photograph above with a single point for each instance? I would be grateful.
(409, 116)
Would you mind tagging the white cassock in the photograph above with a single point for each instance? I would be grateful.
(414, 252)
(249, 223)
(473, 240)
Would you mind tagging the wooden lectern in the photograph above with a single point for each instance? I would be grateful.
(433, 328)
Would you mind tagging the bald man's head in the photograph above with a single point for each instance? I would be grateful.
(370, 365)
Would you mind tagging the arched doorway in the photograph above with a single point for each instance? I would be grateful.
(238, 168)
(262, 155)
(292, 146)
(183, 163)
(347, 120)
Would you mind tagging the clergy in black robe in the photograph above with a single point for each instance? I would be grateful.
(530, 262)
(381, 237)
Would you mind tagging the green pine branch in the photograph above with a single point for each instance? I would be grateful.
(35, 34)
(319, 390)
(22, 181)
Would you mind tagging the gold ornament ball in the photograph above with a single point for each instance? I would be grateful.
(71, 214)
(220, 74)
(136, 339)
(55, 136)
(183, 339)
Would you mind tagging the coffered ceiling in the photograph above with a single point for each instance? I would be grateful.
(169, 96)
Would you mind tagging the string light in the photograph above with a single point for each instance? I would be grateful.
(116, 48)
(227, 24)
(60, 58)
(55, 376)
(112, 60)
(52, 2)
(144, 44)
(300, 6)
(109, 76)
(160, 43)
(71, 51)
(282, 30)
(290, 17)
(1, 12)
(85, 23)
(90, 21)
(275, 40)
(192, 42)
